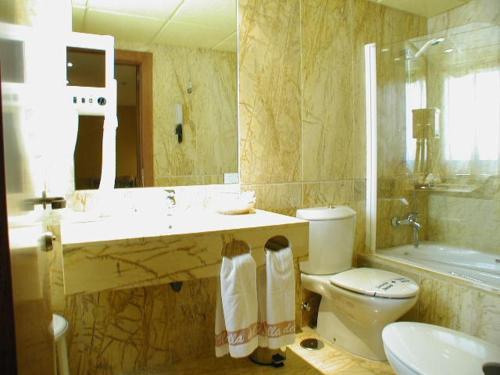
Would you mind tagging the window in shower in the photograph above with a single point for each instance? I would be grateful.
(471, 116)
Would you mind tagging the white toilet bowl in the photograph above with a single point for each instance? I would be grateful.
(357, 304)
(425, 349)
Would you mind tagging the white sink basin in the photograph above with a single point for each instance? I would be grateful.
(425, 349)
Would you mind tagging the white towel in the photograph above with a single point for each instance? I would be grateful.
(236, 311)
(276, 296)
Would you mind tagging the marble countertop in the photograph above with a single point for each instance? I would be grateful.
(142, 226)
(139, 250)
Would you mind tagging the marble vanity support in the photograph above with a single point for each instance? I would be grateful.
(137, 262)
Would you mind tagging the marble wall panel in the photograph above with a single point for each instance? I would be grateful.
(270, 96)
(280, 198)
(465, 221)
(327, 61)
(118, 331)
(482, 11)
(210, 145)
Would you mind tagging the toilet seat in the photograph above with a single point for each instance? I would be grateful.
(425, 349)
(375, 283)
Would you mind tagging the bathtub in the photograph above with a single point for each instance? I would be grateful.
(472, 265)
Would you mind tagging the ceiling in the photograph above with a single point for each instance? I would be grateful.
(190, 23)
(425, 8)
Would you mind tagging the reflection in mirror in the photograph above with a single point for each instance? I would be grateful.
(85, 67)
(457, 78)
(88, 152)
(189, 136)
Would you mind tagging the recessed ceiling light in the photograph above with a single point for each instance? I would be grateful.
(448, 50)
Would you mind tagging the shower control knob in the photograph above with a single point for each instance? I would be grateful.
(101, 101)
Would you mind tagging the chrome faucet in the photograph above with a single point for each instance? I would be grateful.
(170, 200)
(411, 220)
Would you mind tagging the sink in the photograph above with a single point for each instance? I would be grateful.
(425, 349)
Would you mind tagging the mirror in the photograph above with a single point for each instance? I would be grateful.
(176, 73)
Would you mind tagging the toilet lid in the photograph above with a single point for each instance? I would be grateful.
(376, 283)
(433, 350)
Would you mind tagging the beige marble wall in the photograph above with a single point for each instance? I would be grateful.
(466, 221)
(480, 11)
(210, 145)
(302, 122)
(119, 331)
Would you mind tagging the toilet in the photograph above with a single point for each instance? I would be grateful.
(426, 349)
(356, 303)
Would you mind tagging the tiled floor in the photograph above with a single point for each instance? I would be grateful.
(328, 360)
(333, 360)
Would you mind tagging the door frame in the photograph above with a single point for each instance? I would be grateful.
(8, 354)
(143, 61)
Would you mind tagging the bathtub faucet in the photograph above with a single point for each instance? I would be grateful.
(411, 220)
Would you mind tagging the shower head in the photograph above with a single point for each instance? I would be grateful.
(430, 43)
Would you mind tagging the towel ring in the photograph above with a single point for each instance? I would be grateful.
(277, 243)
(235, 248)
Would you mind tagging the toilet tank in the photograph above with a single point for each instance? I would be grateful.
(331, 239)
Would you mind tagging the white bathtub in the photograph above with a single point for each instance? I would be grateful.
(475, 266)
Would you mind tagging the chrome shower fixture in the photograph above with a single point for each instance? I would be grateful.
(430, 43)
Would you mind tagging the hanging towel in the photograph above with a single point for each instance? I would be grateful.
(236, 310)
(276, 296)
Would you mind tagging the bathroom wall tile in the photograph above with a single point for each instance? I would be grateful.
(387, 235)
(280, 198)
(486, 11)
(214, 113)
(112, 332)
(465, 221)
(210, 145)
(176, 180)
(270, 101)
(359, 190)
(327, 89)
(119, 331)
(191, 320)
(360, 237)
(328, 193)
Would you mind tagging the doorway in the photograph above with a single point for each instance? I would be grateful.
(134, 136)
(134, 140)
